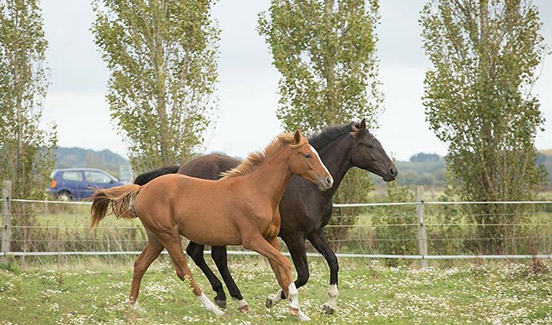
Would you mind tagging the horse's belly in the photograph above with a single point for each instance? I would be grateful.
(209, 231)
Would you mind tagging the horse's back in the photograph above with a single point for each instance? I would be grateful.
(177, 186)
(208, 166)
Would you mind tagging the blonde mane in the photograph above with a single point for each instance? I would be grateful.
(256, 158)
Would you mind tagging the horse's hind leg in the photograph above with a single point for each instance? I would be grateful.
(219, 255)
(195, 251)
(149, 254)
(174, 247)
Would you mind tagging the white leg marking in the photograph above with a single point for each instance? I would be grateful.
(302, 317)
(136, 307)
(276, 298)
(332, 293)
(294, 302)
(242, 303)
(209, 305)
(293, 296)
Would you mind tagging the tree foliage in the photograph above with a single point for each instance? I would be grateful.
(162, 57)
(325, 52)
(26, 152)
(478, 100)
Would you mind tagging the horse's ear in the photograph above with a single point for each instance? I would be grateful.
(362, 124)
(357, 127)
(297, 137)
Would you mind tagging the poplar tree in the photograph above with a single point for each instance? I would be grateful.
(162, 58)
(478, 100)
(26, 151)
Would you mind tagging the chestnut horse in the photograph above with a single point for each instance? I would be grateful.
(305, 210)
(239, 209)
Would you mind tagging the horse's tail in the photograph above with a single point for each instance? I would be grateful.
(144, 178)
(120, 199)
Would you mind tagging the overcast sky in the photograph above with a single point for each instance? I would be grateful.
(247, 81)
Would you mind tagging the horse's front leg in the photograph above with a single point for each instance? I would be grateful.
(296, 247)
(281, 267)
(319, 241)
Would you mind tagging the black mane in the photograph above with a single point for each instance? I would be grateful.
(329, 134)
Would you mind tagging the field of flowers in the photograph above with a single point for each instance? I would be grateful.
(95, 291)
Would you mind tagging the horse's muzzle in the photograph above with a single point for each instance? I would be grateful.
(326, 183)
(391, 175)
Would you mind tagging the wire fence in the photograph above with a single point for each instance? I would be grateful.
(392, 230)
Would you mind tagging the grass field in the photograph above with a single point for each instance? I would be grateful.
(91, 291)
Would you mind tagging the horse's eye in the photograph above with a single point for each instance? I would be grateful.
(369, 145)
(307, 155)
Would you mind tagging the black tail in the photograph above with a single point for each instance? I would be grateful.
(144, 178)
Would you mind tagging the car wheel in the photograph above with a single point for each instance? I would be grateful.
(64, 196)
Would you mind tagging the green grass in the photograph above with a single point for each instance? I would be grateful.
(95, 291)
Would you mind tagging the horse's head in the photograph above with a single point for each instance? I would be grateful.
(367, 153)
(305, 162)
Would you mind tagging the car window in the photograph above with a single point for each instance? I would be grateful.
(72, 176)
(96, 177)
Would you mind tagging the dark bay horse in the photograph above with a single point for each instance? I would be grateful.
(304, 209)
(239, 209)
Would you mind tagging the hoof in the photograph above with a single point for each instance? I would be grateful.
(244, 309)
(269, 303)
(218, 312)
(298, 314)
(221, 303)
(137, 308)
(328, 310)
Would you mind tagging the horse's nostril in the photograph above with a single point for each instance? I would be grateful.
(329, 180)
(393, 171)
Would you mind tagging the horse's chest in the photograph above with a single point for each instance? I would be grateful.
(270, 228)
(325, 214)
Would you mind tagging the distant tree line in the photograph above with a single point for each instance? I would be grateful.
(425, 157)
(430, 170)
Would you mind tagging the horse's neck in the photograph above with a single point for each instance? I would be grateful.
(337, 158)
(271, 177)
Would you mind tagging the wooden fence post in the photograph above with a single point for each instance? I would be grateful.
(6, 219)
(422, 234)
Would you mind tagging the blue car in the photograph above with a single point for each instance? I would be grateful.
(79, 183)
